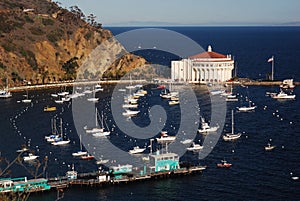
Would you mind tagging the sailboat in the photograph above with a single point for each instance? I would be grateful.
(80, 152)
(96, 129)
(102, 132)
(5, 93)
(246, 108)
(231, 136)
(26, 100)
(130, 86)
(93, 98)
(53, 136)
(61, 141)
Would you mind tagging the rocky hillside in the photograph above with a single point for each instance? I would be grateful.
(40, 42)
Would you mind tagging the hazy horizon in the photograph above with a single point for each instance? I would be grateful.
(191, 12)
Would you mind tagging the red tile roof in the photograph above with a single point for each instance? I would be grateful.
(204, 55)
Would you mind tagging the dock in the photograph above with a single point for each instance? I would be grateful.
(63, 182)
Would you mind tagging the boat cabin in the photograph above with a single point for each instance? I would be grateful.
(23, 185)
(71, 175)
(164, 162)
(120, 170)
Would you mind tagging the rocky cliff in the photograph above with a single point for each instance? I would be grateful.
(40, 42)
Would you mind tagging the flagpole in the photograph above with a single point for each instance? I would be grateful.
(272, 76)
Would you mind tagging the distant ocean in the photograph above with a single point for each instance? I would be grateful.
(255, 174)
(250, 46)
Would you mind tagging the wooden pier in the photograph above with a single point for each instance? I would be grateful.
(63, 182)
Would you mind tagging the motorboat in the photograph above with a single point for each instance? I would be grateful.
(129, 105)
(216, 92)
(26, 101)
(49, 109)
(130, 112)
(186, 141)
(87, 157)
(61, 142)
(283, 95)
(93, 99)
(98, 87)
(164, 137)
(287, 84)
(30, 157)
(79, 153)
(59, 101)
(174, 102)
(136, 150)
(23, 149)
(269, 147)
(246, 108)
(101, 133)
(102, 161)
(224, 164)
(195, 147)
(231, 136)
(205, 128)
(5, 94)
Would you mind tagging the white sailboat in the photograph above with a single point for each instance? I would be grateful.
(102, 132)
(96, 129)
(80, 152)
(246, 108)
(61, 141)
(231, 136)
(5, 93)
(53, 136)
(26, 100)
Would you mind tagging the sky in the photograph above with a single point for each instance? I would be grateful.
(190, 12)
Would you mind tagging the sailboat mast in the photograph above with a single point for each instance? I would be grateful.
(61, 129)
(80, 142)
(232, 122)
(102, 125)
(272, 68)
(96, 117)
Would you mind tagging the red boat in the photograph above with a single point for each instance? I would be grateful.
(87, 157)
(224, 164)
(161, 87)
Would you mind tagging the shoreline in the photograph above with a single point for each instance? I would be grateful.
(80, 83)
(70, 84)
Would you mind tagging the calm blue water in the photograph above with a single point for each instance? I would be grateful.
(255, 174)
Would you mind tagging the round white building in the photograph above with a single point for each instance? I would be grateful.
(206, 67)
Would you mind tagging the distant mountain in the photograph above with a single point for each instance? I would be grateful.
(40, 42)
(291, 24)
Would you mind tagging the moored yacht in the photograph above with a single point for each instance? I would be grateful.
(164, 137)
(283, 95)
(231, 136)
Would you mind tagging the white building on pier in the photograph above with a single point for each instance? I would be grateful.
(206, 67)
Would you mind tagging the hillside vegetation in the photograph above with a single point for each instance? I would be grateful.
(40, 42)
